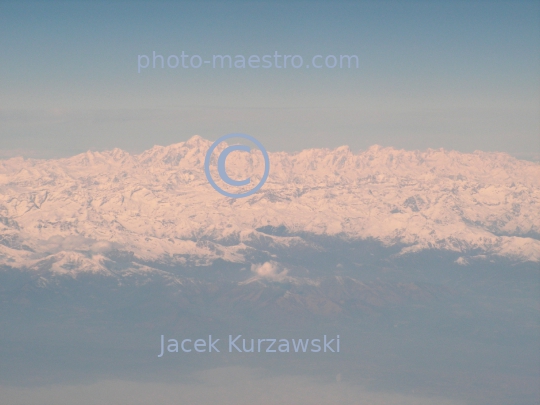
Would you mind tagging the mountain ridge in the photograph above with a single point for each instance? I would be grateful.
(159, 205)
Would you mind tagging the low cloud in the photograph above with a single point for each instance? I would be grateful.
(59, 243)
(224, 386)
(270, 271)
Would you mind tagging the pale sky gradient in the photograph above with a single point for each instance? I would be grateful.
(454, 74)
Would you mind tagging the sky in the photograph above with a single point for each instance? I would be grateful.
(460, 75)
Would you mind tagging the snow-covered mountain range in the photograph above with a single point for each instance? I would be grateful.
(74, 214)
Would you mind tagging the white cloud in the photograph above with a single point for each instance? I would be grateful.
(270, 271)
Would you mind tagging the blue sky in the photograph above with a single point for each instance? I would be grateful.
(455, 74)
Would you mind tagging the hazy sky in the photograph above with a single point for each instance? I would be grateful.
(454, 74)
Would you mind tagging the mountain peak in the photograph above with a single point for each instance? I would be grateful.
(196, 141)
(375, 148)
